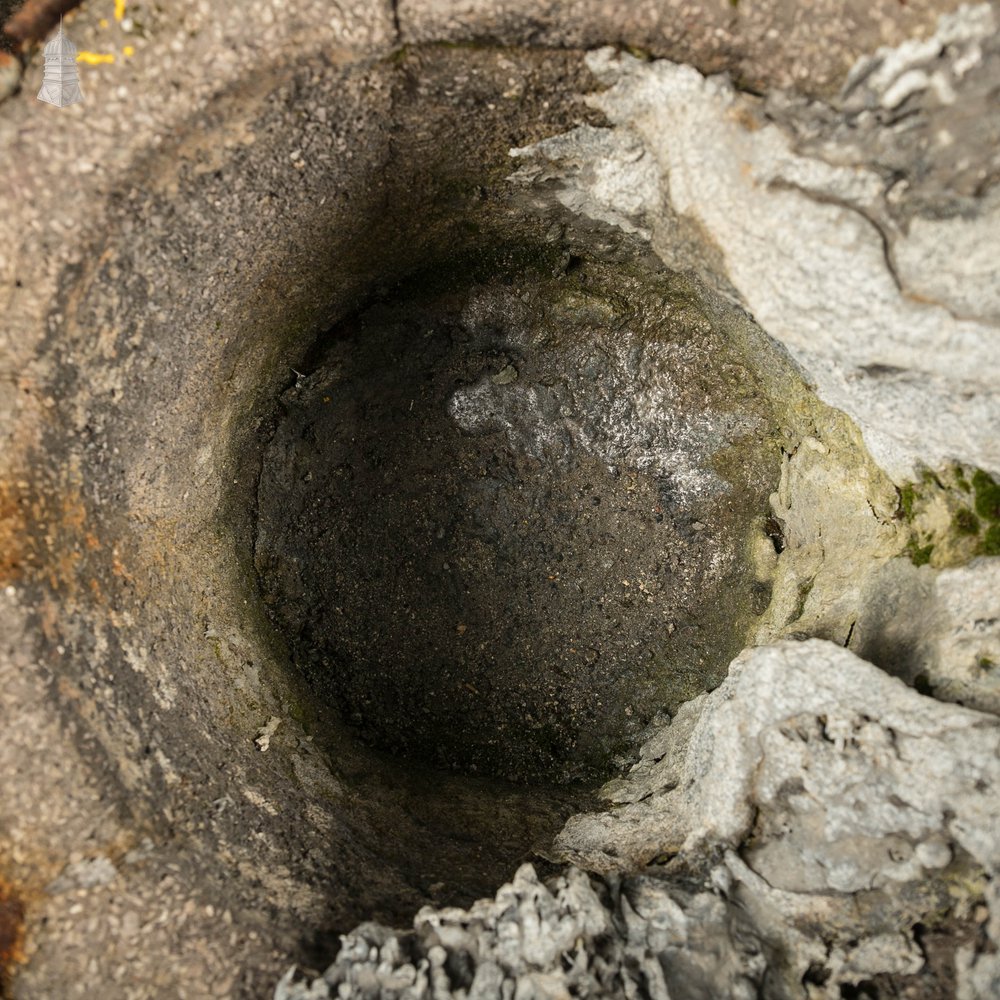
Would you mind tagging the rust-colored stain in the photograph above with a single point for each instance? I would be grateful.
(36, 18)
(11, 936)
(44, 533)
(12, 555)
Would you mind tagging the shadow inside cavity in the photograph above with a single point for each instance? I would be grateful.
(488, 527)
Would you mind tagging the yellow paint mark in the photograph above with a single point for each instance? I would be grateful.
(128, 51)
(94, 58)
(103, 22)
(119, 9)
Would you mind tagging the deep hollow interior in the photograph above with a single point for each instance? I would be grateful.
(501, 521)
(453, 484)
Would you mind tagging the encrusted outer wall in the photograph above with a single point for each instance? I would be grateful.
(152, 241)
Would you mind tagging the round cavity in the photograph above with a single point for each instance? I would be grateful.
(502, 522)
(379, 444)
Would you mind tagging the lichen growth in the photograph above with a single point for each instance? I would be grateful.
(947, 525)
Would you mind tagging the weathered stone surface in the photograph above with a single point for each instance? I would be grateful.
(836, 224)
(832, 776)
(800, 711)
(837, 796)
(837, 518)
(837, 806)
(508, 496)
(165, 261)
(939, 630)
(153, 231)
(764, 44)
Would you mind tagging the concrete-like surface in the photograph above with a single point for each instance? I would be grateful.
(168, 249)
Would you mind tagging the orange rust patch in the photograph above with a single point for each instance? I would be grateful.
(11, 935)
(12, 553)
(44, 535)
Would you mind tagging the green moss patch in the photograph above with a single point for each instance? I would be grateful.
(987, 496)
(965, 522)
(920, 555)
(991, 541)
(907, 499)
(953, 515)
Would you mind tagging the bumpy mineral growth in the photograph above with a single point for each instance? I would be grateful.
(790, 831)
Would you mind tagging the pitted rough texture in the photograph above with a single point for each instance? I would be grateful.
(493, 526)
(764, 44)
(578, 937)
(157, 311)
